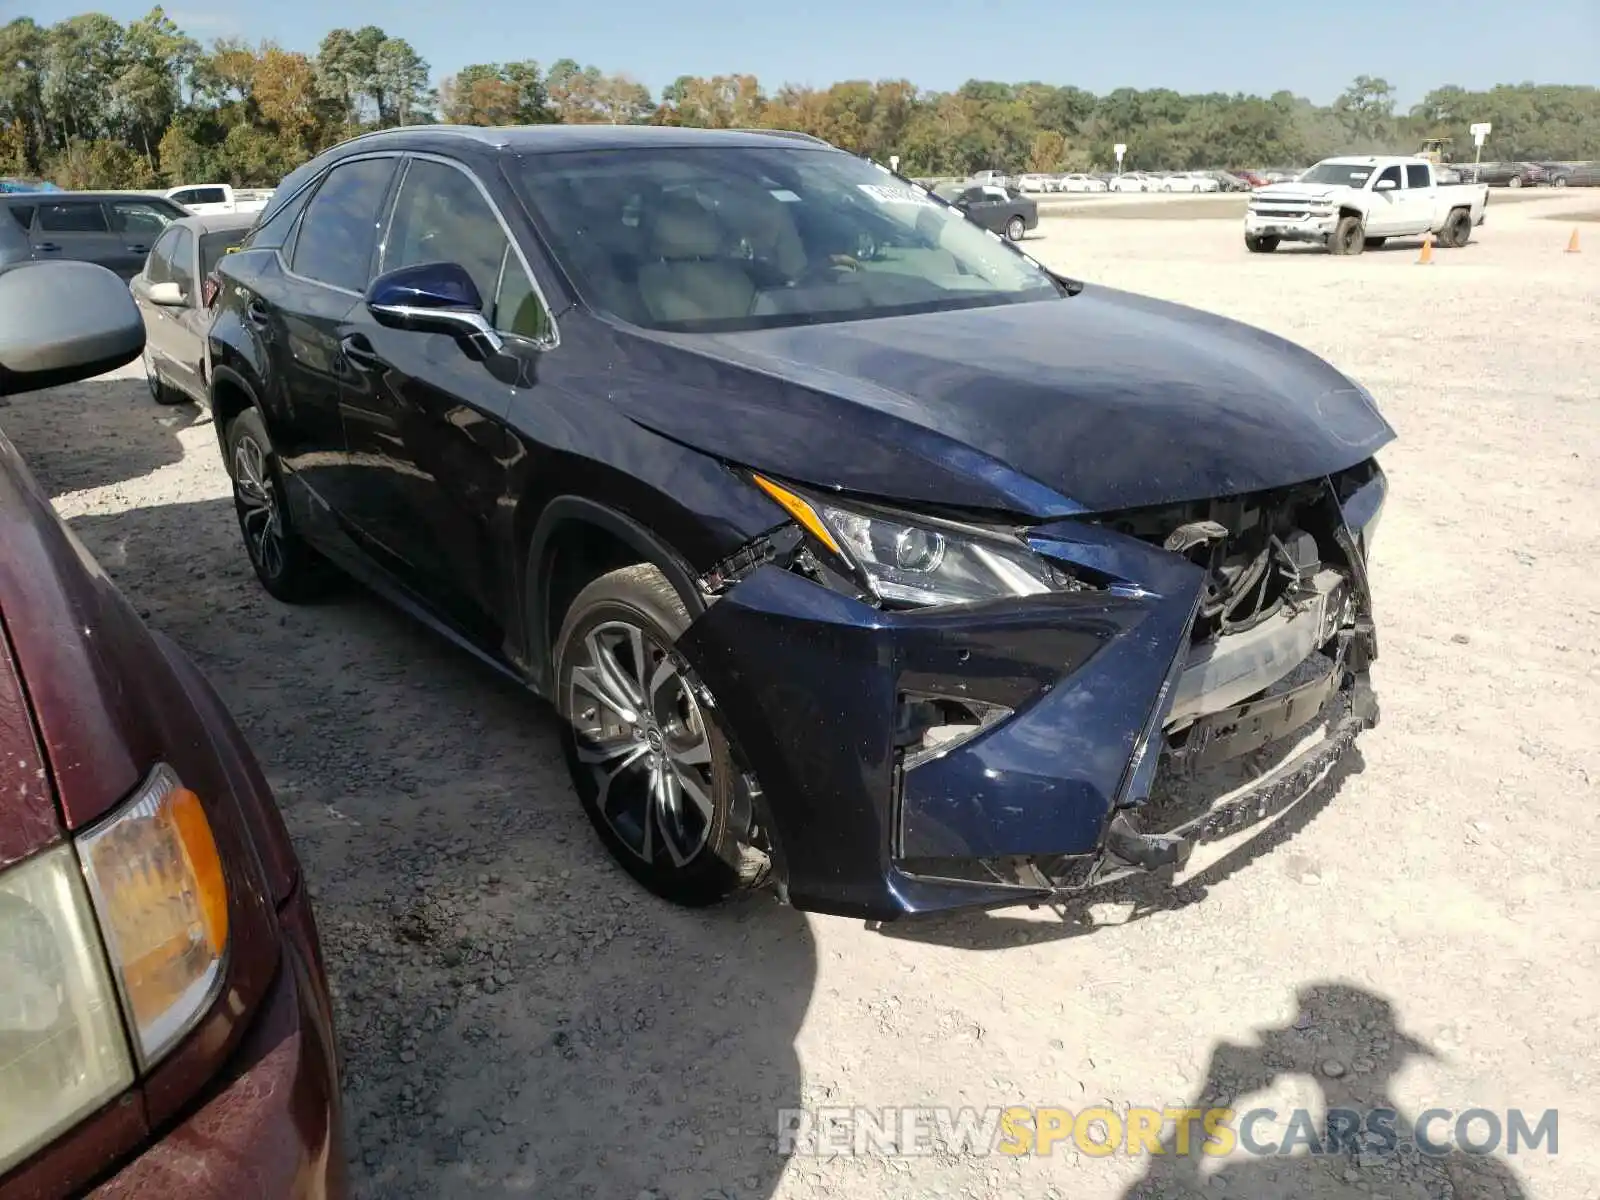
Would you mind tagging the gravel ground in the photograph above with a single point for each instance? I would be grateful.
(517, 1019)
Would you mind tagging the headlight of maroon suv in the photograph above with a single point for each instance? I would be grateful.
(123, 929)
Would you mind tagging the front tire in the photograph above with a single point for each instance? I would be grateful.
(285, 564)
(1347, 237)
(653, 771)
(1016, 228)
(1260, 243)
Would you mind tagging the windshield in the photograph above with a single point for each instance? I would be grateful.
(749, 237)
(1348, 174)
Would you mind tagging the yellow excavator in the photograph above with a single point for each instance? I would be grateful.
(1436, 151)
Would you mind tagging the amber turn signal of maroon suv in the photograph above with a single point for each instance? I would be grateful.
(165, 1025)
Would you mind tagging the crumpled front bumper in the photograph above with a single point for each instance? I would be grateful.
(812, 686)
(1297, 226)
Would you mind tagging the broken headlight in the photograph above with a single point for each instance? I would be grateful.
(921, 561)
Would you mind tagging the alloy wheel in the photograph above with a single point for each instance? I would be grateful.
(641, 731)
(256, 496)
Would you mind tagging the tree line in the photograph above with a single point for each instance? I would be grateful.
(90, 102)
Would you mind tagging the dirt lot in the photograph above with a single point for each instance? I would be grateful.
(520, 1021)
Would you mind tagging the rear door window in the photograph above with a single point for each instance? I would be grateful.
(207, 195)
(1417, 175)
(80, 216)
(340, 227)
(144, 218)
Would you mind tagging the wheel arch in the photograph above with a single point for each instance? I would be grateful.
(574, 541)
(231, 394)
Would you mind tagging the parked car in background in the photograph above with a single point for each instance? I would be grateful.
(1582, 175)
(1502, 174)
(997, 209)
(175, 292)
(1036, 183)
(1350, 204)
(1556, 174)
(1194, 181)
(164, 1014)
(11, 183)
(1079, 182)
(1131, 181)
(1227, 181)
(112, 229)
(209, 199)
(992, 178)
(850, 544)
(1254, 179)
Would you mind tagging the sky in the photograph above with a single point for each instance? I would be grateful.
(1313, 50)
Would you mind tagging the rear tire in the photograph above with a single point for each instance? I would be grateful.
(1260, 243)
(285, 564)
(1016, 228)
(1347, 237)
(654, 772)
(1457, 229)
(1376, 243)
(161, 391)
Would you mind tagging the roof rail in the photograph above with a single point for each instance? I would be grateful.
(793, 134)
(492, 135)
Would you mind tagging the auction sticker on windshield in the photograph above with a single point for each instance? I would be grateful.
(887, 194)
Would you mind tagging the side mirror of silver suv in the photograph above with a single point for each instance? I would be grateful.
(61, 322)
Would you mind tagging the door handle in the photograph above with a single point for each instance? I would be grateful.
(256, 313)
(358, 352)
(48, 248)
(139, 249)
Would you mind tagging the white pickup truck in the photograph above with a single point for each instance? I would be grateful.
(209, 199)
(1357, 203)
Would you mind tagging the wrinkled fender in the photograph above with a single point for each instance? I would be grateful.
(561, 512)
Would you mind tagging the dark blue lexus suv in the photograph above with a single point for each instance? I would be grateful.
(857, 550)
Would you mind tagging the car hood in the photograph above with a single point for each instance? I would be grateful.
(85, 660)
(1095, 402)
(1303, 192)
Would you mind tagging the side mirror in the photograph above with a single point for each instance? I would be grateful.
(432, 298)
(1384, 185)
(961, 202)
(64, 321)
(168, 295)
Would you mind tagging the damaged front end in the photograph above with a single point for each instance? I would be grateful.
(918, 759)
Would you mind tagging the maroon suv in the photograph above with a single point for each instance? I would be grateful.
(165, 1025)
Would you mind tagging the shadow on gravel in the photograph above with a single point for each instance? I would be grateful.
(1353, 1140)
(1000, 929)
(93, 434)
(517, 1018)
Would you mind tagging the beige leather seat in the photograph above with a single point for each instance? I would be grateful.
(686, 277)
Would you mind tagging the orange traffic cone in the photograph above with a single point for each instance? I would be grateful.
(1572, 242)
(1427, 250)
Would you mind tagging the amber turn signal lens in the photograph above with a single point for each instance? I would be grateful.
(161, 895)
(800, 510)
